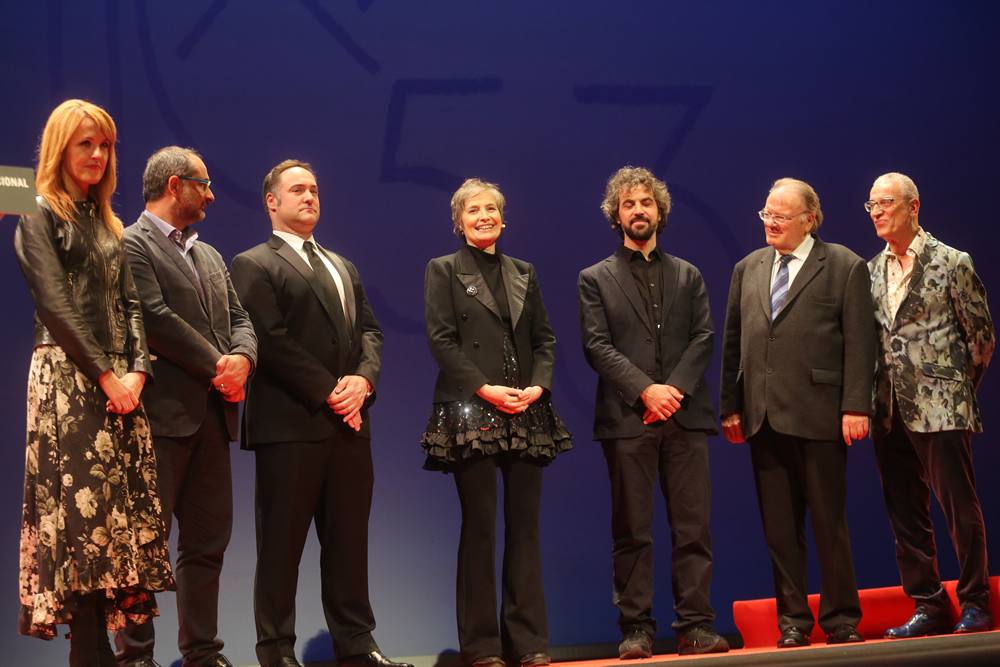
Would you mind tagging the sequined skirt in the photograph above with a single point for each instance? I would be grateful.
(461, 430)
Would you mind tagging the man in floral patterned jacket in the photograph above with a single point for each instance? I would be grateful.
(936, 339)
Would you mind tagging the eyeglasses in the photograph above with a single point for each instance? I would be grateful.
(884, 203)
(207, 182)
(767, 216)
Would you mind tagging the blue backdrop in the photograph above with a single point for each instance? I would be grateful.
(395, 102)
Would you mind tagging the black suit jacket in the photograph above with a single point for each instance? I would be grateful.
(465, 331)
(301, 358)
(816, 361)
(618, 343)
(186, 334)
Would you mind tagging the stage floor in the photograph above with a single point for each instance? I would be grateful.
(979, 649)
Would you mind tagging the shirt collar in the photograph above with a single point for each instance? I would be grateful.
(802, 251)
(189, 234)
(629, 254)
(293, 240)
(916, 245)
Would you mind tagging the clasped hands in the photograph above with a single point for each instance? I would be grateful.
(661, 401)
(509, 399)
(231, 371)
(122, 392)
(348, 397)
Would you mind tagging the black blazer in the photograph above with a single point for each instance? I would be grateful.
(186, 335)
(301, 357)
(465, 331)
(816, 361)
(618, 343)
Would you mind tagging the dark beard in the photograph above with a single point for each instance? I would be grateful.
(640, 236)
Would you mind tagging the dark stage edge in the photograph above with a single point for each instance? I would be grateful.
(978, 649)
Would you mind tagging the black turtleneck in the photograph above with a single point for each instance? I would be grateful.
(489, 265)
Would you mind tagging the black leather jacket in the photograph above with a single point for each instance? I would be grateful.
(85, 300)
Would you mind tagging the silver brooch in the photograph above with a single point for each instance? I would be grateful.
(472, 290)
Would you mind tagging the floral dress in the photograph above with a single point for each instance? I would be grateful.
(91, 517)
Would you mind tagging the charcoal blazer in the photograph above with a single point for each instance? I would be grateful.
(301, 357)
(186, 333)
(465, 330)
(935, 349)
(815, 361)
(618, 343)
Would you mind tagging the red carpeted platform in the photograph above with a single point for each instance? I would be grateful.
(881, 608)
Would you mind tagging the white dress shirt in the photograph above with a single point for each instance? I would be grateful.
(297, 243)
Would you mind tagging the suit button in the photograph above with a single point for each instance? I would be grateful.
(475, 343)
(770, 337)
(333, 340)
(460, 387)
(649, 340)
(770, 371)
(465, 316)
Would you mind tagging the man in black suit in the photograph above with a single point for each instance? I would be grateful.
(203, 347)
(307, 421)
(647, 331)
(797, 371)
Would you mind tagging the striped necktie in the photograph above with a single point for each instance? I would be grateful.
(779, 290)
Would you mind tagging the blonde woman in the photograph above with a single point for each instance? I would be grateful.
(92, 541)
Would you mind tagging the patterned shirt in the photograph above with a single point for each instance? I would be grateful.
(897, 278)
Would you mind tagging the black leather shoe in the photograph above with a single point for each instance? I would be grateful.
(636, 644)
(488, 661)
(535, 659)
(844, 634)
(701, 639)
(921, 624)
(792, 637)
(974, 619)
(371, 659)
(142, 662)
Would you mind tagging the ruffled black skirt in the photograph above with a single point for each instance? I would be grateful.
(461, 430)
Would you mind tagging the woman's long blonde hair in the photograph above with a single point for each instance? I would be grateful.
(63, 122)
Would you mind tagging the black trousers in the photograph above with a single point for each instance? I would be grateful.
(793, 474)
(679, 459)
(911, 464)
(328, 483)
(195, 483)
(523, 628)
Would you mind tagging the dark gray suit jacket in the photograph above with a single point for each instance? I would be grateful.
(816, 361)
(301, 357)
(465, 332)
(186, 335)
(618, 343)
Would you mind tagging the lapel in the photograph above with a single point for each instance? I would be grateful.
(515, 284)
(880, 289)
(617, 266)
(345, 278)
(762, 279)
(169, 250)
(475, 286)
(285, 252)
(920, 264)
(815, 262)
(204, 270)
(671, 274)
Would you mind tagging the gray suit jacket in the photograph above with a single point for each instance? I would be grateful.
(815, 361)
(618, 343)
(186, 334)
(935, 350)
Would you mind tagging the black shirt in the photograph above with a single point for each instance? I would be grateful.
(648, 276)
(489, 265)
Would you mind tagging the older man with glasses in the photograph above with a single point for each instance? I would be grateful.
(936, 339)
(797, 366)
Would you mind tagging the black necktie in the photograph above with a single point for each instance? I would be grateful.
(329, 294)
